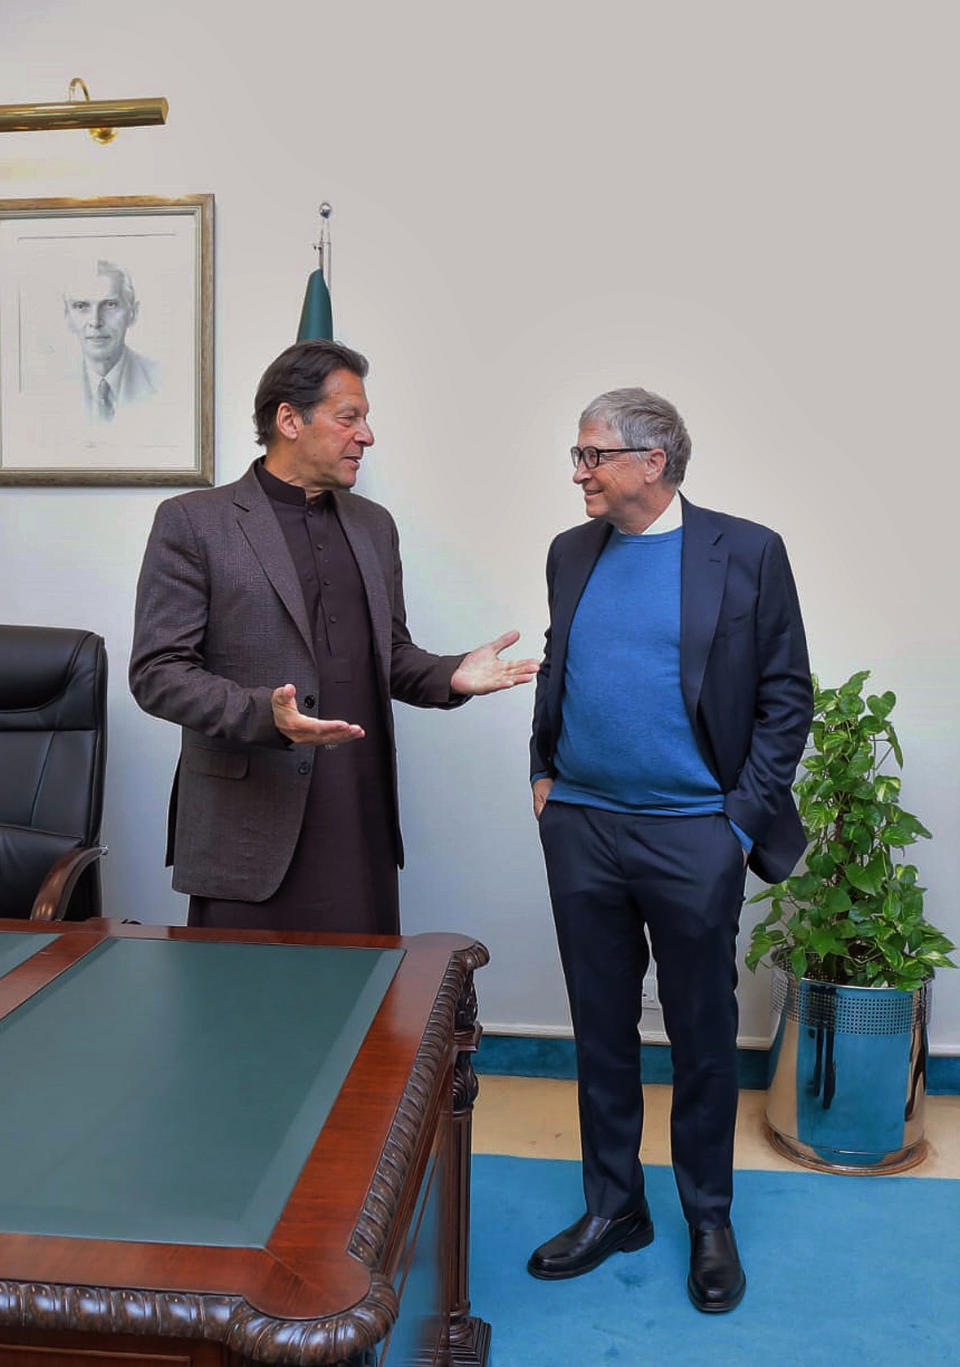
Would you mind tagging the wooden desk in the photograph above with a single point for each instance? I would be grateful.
(203, 1188)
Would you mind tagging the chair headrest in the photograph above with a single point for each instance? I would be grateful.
(50, 677)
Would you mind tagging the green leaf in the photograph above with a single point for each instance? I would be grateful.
(864, 877)
(759, 945)
(892, 901)
(817, 815)
(824, 942)
(912, 900)
(836, 901)
(858, 837)
(868, 929)
(798, 961)
(823, 865)
(895, 745)
(855, 682)
(882, 707)
(802, 887)
(893, 955)
(861, 763)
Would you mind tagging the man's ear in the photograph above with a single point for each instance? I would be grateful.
(288, 421)
(655, 463)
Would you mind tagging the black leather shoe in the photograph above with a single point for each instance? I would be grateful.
(586, 1244)
(716, 1282)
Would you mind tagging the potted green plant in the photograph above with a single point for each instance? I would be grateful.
(851, 952)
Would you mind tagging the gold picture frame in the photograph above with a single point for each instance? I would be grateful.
(79, 404)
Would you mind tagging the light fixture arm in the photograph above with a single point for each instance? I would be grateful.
(102, 117)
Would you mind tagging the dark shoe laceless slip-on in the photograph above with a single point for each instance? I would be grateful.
(587, 1243)
(716, 1282)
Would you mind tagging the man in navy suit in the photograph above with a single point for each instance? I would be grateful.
(672, 707)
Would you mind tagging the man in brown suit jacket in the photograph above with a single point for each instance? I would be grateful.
(270, 625)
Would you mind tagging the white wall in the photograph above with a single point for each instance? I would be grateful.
(747, 207)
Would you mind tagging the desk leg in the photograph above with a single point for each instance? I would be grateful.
(469, 1336)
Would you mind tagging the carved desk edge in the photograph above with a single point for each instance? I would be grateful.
(230, 1320)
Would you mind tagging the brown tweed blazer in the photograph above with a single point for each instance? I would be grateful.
(220, 623)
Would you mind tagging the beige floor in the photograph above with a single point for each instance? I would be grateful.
(537, 1118)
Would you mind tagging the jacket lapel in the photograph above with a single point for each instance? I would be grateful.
(371, 572)
(259, 525)
(573, 571)
(702, 578)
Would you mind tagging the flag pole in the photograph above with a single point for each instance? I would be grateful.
(316, 316)
(323, 246)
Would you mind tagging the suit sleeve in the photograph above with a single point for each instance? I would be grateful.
(416, 676)
(784, 700)
(541, 764)
(168, 677)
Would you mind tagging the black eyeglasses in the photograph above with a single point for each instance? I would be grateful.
(593, 455)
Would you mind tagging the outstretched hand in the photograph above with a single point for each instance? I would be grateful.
(304, 730)
(482, 671)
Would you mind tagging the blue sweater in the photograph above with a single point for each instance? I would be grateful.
(626, 742)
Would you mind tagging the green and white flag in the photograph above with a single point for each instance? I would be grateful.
(316, 316)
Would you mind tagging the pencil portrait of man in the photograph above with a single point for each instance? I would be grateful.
(100, 306)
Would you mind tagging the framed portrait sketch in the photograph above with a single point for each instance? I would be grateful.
(106, 341)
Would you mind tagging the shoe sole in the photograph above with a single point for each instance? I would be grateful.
(711, 1307)
(639, 1239)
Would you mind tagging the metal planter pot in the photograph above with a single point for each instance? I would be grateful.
(847, 1075)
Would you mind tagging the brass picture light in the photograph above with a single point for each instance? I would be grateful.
(102, 117)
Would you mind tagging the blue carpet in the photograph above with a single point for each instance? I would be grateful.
(841, 1272)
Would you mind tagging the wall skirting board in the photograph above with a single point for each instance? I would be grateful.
(553, 1056)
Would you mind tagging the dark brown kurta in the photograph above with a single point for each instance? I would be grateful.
(343, 874)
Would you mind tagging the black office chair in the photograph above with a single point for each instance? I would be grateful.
(53, 745)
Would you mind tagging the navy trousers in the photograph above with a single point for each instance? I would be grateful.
(612, 875)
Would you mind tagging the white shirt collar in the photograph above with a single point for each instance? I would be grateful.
(112, 377)
(669, 520)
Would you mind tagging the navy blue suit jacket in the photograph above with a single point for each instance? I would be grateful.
(744, 671)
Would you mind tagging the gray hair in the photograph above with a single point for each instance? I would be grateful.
(644, 419)
(127, 292)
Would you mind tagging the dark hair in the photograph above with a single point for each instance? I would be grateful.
(297, 377)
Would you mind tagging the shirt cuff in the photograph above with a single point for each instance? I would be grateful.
(742, 836)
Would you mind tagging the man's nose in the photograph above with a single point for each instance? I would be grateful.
(98, 316)
(365, 434)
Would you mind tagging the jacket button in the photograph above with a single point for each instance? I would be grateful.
(309, 701)
(303, 768)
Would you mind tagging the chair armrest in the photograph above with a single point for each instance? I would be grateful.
(52, 900)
